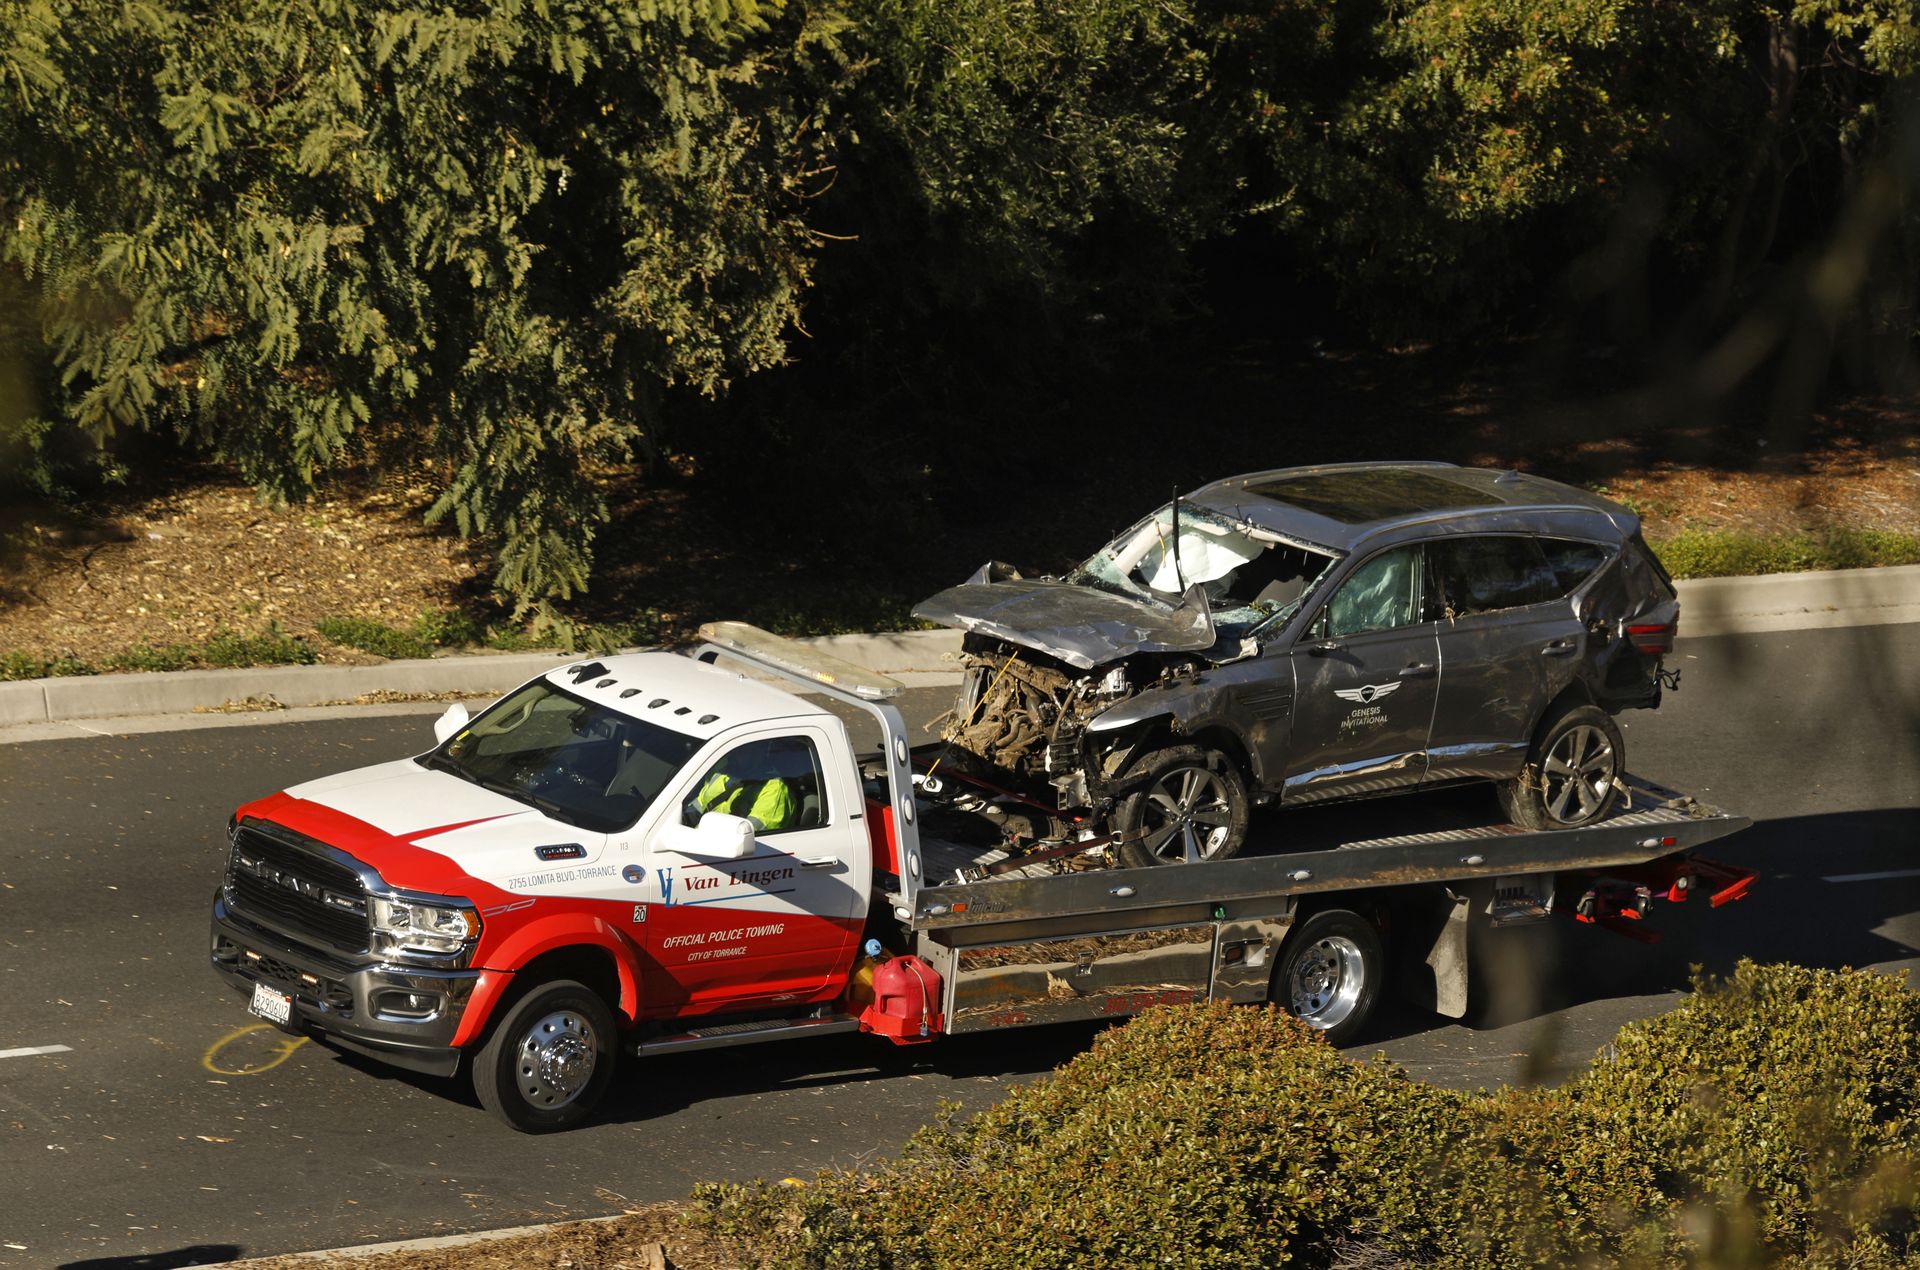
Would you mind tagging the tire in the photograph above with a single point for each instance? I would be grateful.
(549, 1060)
(1573, 772)
(1188, 805)
(1329, 973)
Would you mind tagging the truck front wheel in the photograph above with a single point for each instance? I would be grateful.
(1329, 973)
(549, 1060)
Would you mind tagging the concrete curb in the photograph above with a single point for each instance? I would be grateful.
(1800, 601)
(439, 1243)
(913, 657)
(1710, 606)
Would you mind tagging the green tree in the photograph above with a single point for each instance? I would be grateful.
(487, 237)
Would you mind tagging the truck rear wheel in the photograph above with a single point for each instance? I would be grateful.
(549, 1060)
(1188, 805)
(1329, 973)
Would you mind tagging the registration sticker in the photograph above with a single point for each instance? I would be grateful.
(274, 1007)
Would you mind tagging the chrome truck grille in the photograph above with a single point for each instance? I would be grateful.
(276, 883)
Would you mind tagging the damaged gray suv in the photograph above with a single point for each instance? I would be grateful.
(1318, 633)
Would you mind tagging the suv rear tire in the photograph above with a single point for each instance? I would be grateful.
(1188, 805)
(1573, 773)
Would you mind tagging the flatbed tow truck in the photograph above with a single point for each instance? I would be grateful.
(407, 913)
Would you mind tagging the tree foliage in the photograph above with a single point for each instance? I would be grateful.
(490, 237)
(512, 240)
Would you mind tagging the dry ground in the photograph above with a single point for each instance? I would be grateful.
(172, 567)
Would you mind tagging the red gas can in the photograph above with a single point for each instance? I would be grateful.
(906, 1001)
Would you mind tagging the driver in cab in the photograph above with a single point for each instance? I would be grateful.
(746, 783)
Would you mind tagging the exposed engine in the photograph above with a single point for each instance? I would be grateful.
(1025, 714)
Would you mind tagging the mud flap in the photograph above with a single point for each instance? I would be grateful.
(1443, 988)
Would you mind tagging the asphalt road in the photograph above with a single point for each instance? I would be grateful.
(171, 1128)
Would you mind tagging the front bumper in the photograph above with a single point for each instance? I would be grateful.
(401, 1015)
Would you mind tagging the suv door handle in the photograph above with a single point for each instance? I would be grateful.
(817, 861)
(1558, 648)
(1416, 670)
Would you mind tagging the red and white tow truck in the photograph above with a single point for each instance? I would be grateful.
(653, 852)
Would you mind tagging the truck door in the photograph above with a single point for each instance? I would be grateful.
(1365, 676)
(779, 924)
(1509, 642)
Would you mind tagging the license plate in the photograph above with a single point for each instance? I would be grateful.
(275, 1007)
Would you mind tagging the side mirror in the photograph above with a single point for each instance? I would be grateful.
(452, 721)
(718, 836)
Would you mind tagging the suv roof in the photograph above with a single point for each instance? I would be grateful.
(1342, 505)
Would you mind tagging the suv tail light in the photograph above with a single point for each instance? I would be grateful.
(1653, 638)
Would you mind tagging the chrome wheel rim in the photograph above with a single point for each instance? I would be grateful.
(1578, 775)
(1325, 982)
(1187, 815)
(555, 1060)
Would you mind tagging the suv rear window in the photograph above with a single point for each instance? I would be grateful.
(1572, 562)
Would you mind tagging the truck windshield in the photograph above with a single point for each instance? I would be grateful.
(578, 762)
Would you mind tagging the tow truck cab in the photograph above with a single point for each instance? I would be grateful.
(580, 828)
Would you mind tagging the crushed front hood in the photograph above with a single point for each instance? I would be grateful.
(1081, 626)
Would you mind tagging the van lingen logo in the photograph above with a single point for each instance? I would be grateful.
(1367, 692)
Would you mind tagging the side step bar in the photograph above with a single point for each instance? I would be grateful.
(720, 1035)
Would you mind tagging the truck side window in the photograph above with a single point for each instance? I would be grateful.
(1380, 595)
(774, 782)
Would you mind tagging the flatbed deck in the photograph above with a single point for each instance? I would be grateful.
(1353, 846)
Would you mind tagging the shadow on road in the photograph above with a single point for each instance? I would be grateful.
(197, 1255)
(1818, 902)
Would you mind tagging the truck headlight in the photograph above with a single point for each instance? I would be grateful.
(403, 926)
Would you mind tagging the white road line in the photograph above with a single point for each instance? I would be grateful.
(31, 1050)
(1873, 877)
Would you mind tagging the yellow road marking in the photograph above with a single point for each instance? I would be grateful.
(285, 1048)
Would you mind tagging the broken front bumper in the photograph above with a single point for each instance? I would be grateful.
(401, 1015)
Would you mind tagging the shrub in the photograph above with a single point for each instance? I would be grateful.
(146, 657)
(1765, 1120)
(368, 635)
(19, 665)
(273, 648)
(23, 665)
(1202, 1136)
(1720, 553)
(447, 628)
(1781, 1093)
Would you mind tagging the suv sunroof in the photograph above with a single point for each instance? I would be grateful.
(1356, 497)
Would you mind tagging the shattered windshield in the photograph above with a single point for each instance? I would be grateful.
(576, 761)
(1250, 578)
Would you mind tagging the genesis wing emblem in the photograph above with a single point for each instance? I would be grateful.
(1367, 692)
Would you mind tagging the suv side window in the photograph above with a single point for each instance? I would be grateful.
(774, 782)
(1572, 562)
(1487, 574)
(1381, 594)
